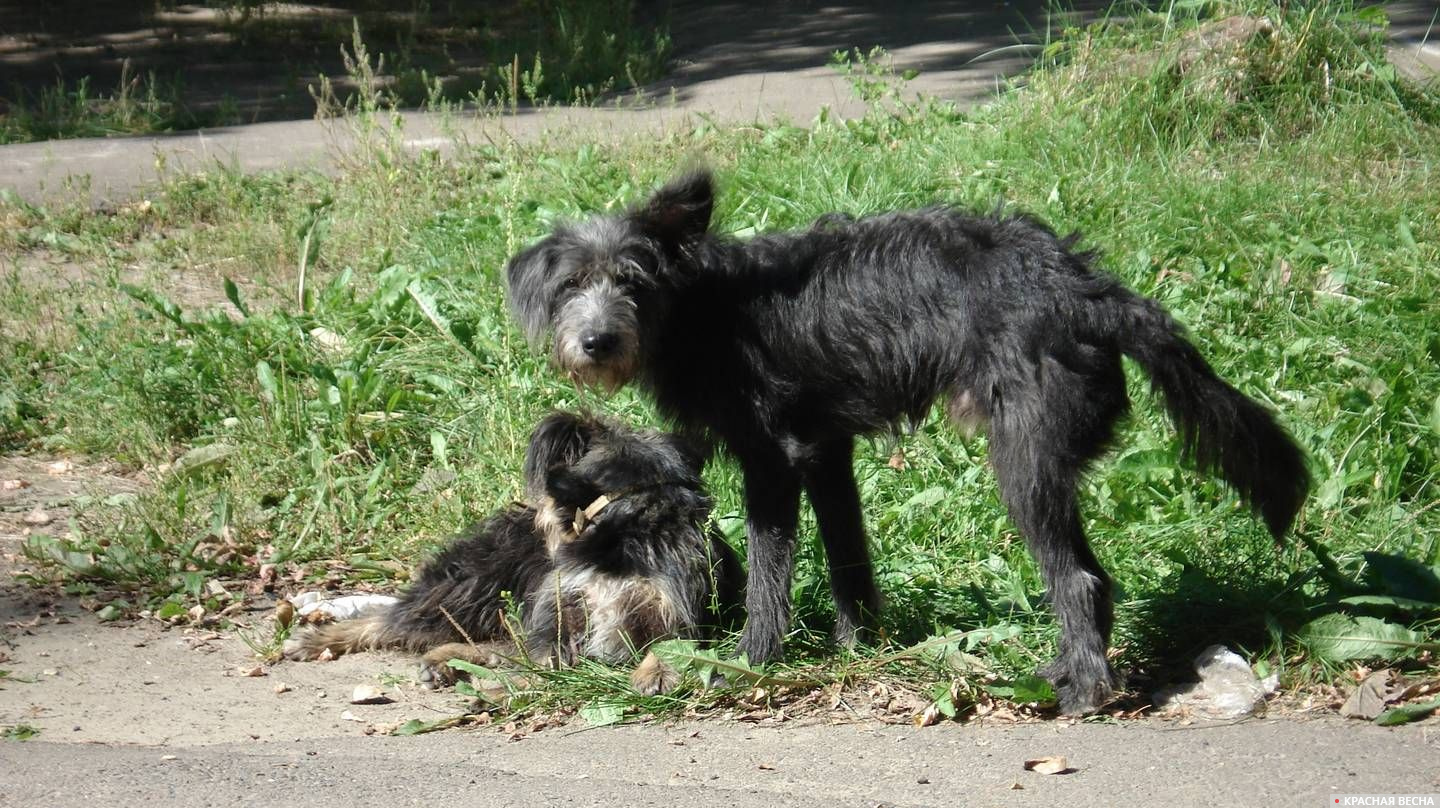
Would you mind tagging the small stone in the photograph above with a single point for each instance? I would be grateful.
(38, 518)
(369, 694)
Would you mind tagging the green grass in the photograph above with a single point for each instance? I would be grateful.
(1285, 212)
(496, 57)
(138, 105)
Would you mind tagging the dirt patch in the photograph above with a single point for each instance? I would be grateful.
(54, 486)
(77, 680)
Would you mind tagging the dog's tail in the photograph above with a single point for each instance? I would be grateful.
(1221, 430)
(364, 633)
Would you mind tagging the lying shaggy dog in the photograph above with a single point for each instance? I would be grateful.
(613, 553)
(786, 346)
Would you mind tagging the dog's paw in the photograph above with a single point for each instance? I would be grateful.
(1081, 689)
(435, 670)
(653, 676)
(759, 646)
(303, 648)
(436, 675)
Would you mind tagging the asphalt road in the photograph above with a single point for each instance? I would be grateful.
(735, 62)
(1258, 763)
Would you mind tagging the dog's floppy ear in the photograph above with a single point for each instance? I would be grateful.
(532, 282)
(561, 439)
(679, 213)
(570, 488)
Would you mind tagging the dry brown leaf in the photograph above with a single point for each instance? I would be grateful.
(1407, 692)
(897, 460)
(255, 671)
(1015, 786)
(281, 687)
(284, 613)
(1054, 764)
(1368, 700)
(929, 717)
(14, 485)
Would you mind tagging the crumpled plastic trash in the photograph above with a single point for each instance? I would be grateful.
(344, 607)
(1227, 689)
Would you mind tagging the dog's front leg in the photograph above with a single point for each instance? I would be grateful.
(830, 482)
(772, 506)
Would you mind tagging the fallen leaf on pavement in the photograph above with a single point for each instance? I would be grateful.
(1055, 764)
(1368, 700)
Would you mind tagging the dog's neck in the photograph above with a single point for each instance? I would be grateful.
(584, 516)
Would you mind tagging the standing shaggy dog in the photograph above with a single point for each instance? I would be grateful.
(613, 552)
(785, 347)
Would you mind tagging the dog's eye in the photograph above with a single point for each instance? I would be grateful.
(570, 284)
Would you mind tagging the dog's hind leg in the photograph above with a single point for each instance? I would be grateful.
(772, 511)
(435, 670)
(1040, 445)
(362, 633)
(830, 483)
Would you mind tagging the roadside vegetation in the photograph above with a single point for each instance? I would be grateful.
(319, 378)
(443, 54)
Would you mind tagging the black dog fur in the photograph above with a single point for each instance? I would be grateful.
(641, 567)
(786, 346)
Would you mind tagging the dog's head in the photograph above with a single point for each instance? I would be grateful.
(582, 471)
(592, 284)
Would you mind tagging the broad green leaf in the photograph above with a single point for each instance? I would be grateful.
(416, 726)
(473, 669)
(438, 448)
(683, 656)
(1406, 713)
(233, 293)
(604, 714)
(203, 457)
(269, 389)
(923, 500)
(1031, 688)
(1405, 577)
(1340, 637)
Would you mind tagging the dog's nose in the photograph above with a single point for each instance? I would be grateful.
(599, 346)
